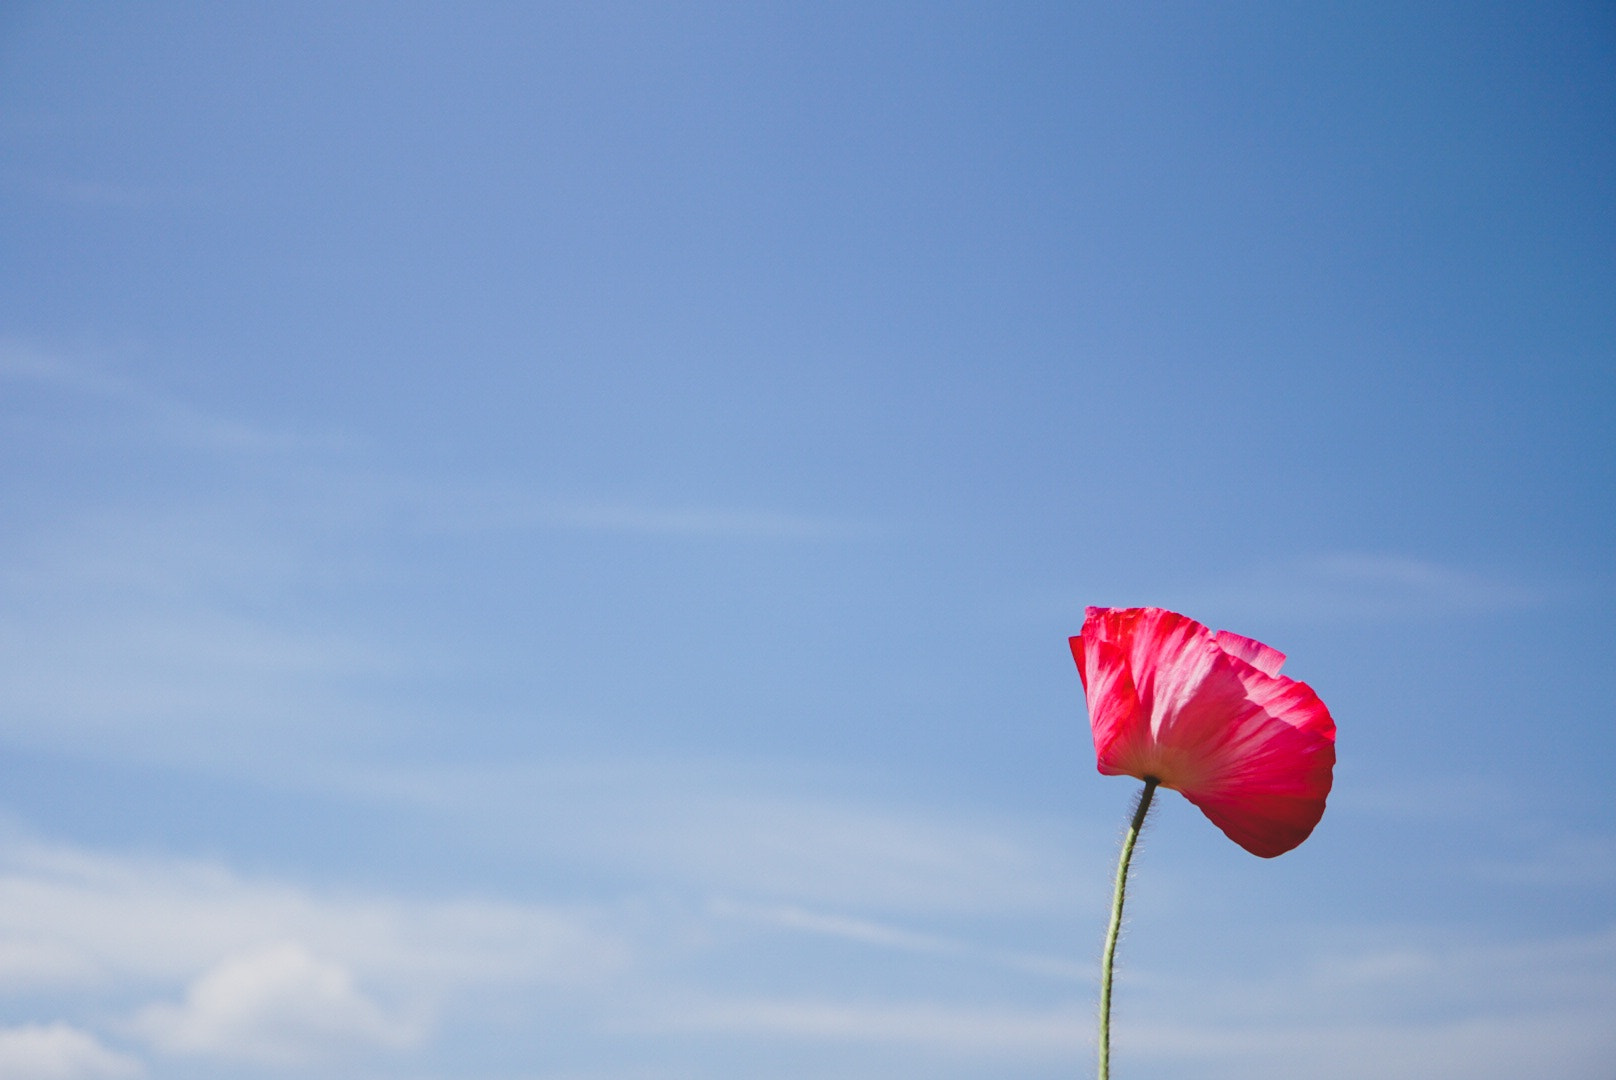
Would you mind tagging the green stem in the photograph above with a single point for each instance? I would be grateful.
(1116, 922)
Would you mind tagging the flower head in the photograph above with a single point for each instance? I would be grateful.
(1210, 716)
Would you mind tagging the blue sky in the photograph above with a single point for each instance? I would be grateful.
(538, 541)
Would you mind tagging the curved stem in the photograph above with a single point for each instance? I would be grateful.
(1115, 928)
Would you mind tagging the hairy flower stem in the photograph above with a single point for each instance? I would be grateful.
(1115, 928)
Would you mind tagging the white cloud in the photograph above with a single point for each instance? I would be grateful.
(219, 967)
(278, 1005)
(60, 1052)
(74, 918)
(739, 832)
(38, 964)
(211, 964)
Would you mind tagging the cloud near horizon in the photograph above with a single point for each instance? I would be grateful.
(276, 1005)
(60, 1052)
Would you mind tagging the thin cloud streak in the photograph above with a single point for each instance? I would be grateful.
(87, 194)
(1357, 586)
(886, 936)
(721, 830)
(446, 509)
(700, 522)
(495, 509)
(150, 412)
(1038, 1034)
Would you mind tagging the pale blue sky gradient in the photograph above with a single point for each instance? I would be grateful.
(538, 541)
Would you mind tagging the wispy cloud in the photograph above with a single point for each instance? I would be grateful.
(234, 969)
(142, 409)
(492, 508)
(700, 522)
(186, 632)
(86, 193)
(1410, 1005)
(276, 1005)
(1050, 1034)
(68, 915)
(1347, 585)
(884, 935)
(225, 968)
(1559, 859)
(1572, 1045)
(742, 832)
(152, 629)
(60, 1052)
(263, 970)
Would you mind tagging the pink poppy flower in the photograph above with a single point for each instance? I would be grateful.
(1210, 716)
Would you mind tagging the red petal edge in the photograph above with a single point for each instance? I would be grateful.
(1274, 795)
(1265, 658)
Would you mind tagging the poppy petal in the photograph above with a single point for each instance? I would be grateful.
(1269, 799)
(1077, 654)
(1264, 658)
(1120, 742)
(1184, 688)
(1168, 655)
(1208, 715)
